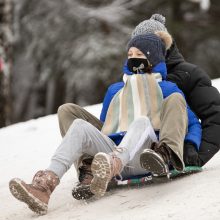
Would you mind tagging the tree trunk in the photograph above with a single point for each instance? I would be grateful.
(5, 60)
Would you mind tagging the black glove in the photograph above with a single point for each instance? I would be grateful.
(190, 155)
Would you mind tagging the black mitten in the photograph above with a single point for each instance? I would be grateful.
(190, 155)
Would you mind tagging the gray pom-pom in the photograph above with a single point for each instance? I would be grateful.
(158, 17)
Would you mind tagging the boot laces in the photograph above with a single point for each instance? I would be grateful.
(116, 164)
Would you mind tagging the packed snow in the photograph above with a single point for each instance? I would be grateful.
(27, 147)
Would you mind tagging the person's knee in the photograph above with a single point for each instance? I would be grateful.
(66, 109)
(175, 98)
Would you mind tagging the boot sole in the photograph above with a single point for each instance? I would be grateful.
(153, 163)
(20, 193)
(101, 168)
(82, 192)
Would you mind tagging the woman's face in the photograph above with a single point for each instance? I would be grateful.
(134, 52)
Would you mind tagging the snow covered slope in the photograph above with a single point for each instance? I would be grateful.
(27, 147)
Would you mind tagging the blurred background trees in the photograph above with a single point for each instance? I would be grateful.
(72, 50)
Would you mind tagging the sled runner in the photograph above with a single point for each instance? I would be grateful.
(148, 178)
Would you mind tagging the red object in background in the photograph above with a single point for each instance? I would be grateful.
(1, 65)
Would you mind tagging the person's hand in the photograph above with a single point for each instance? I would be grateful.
(190, 155)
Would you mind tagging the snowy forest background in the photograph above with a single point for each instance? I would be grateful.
(53, 52)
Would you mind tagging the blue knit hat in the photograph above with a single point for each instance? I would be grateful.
(152, 46)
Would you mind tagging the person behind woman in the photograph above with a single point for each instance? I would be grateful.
(131, 117)
(202, 97)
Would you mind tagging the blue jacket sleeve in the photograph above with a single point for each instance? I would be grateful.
(194, 133)
(112, 90)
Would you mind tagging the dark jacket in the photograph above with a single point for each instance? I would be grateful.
(194, 128)
(203, 99)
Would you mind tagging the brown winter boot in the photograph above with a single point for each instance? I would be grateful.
(156, 160)
(104, 168)
(82, 189)
(169, 156)
(37, 194)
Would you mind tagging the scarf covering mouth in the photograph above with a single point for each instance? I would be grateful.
(140, 96)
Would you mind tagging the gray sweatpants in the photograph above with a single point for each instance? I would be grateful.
(82, 138)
